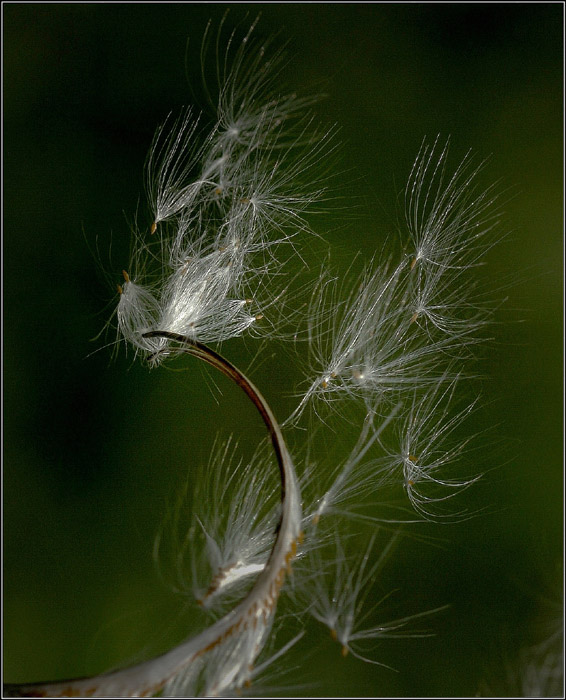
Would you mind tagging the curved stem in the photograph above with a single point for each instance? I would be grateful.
(203, 352)
(253, 613)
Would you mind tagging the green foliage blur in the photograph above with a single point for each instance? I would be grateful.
(95, 448)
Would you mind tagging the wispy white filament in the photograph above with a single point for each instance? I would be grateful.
(229, 205)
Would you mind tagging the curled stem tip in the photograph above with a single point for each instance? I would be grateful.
(257, 607)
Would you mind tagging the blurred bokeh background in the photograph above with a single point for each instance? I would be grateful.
(95, 449)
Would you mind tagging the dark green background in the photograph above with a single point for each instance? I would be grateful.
(95, 449)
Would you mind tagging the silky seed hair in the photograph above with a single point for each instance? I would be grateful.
(385, 349)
